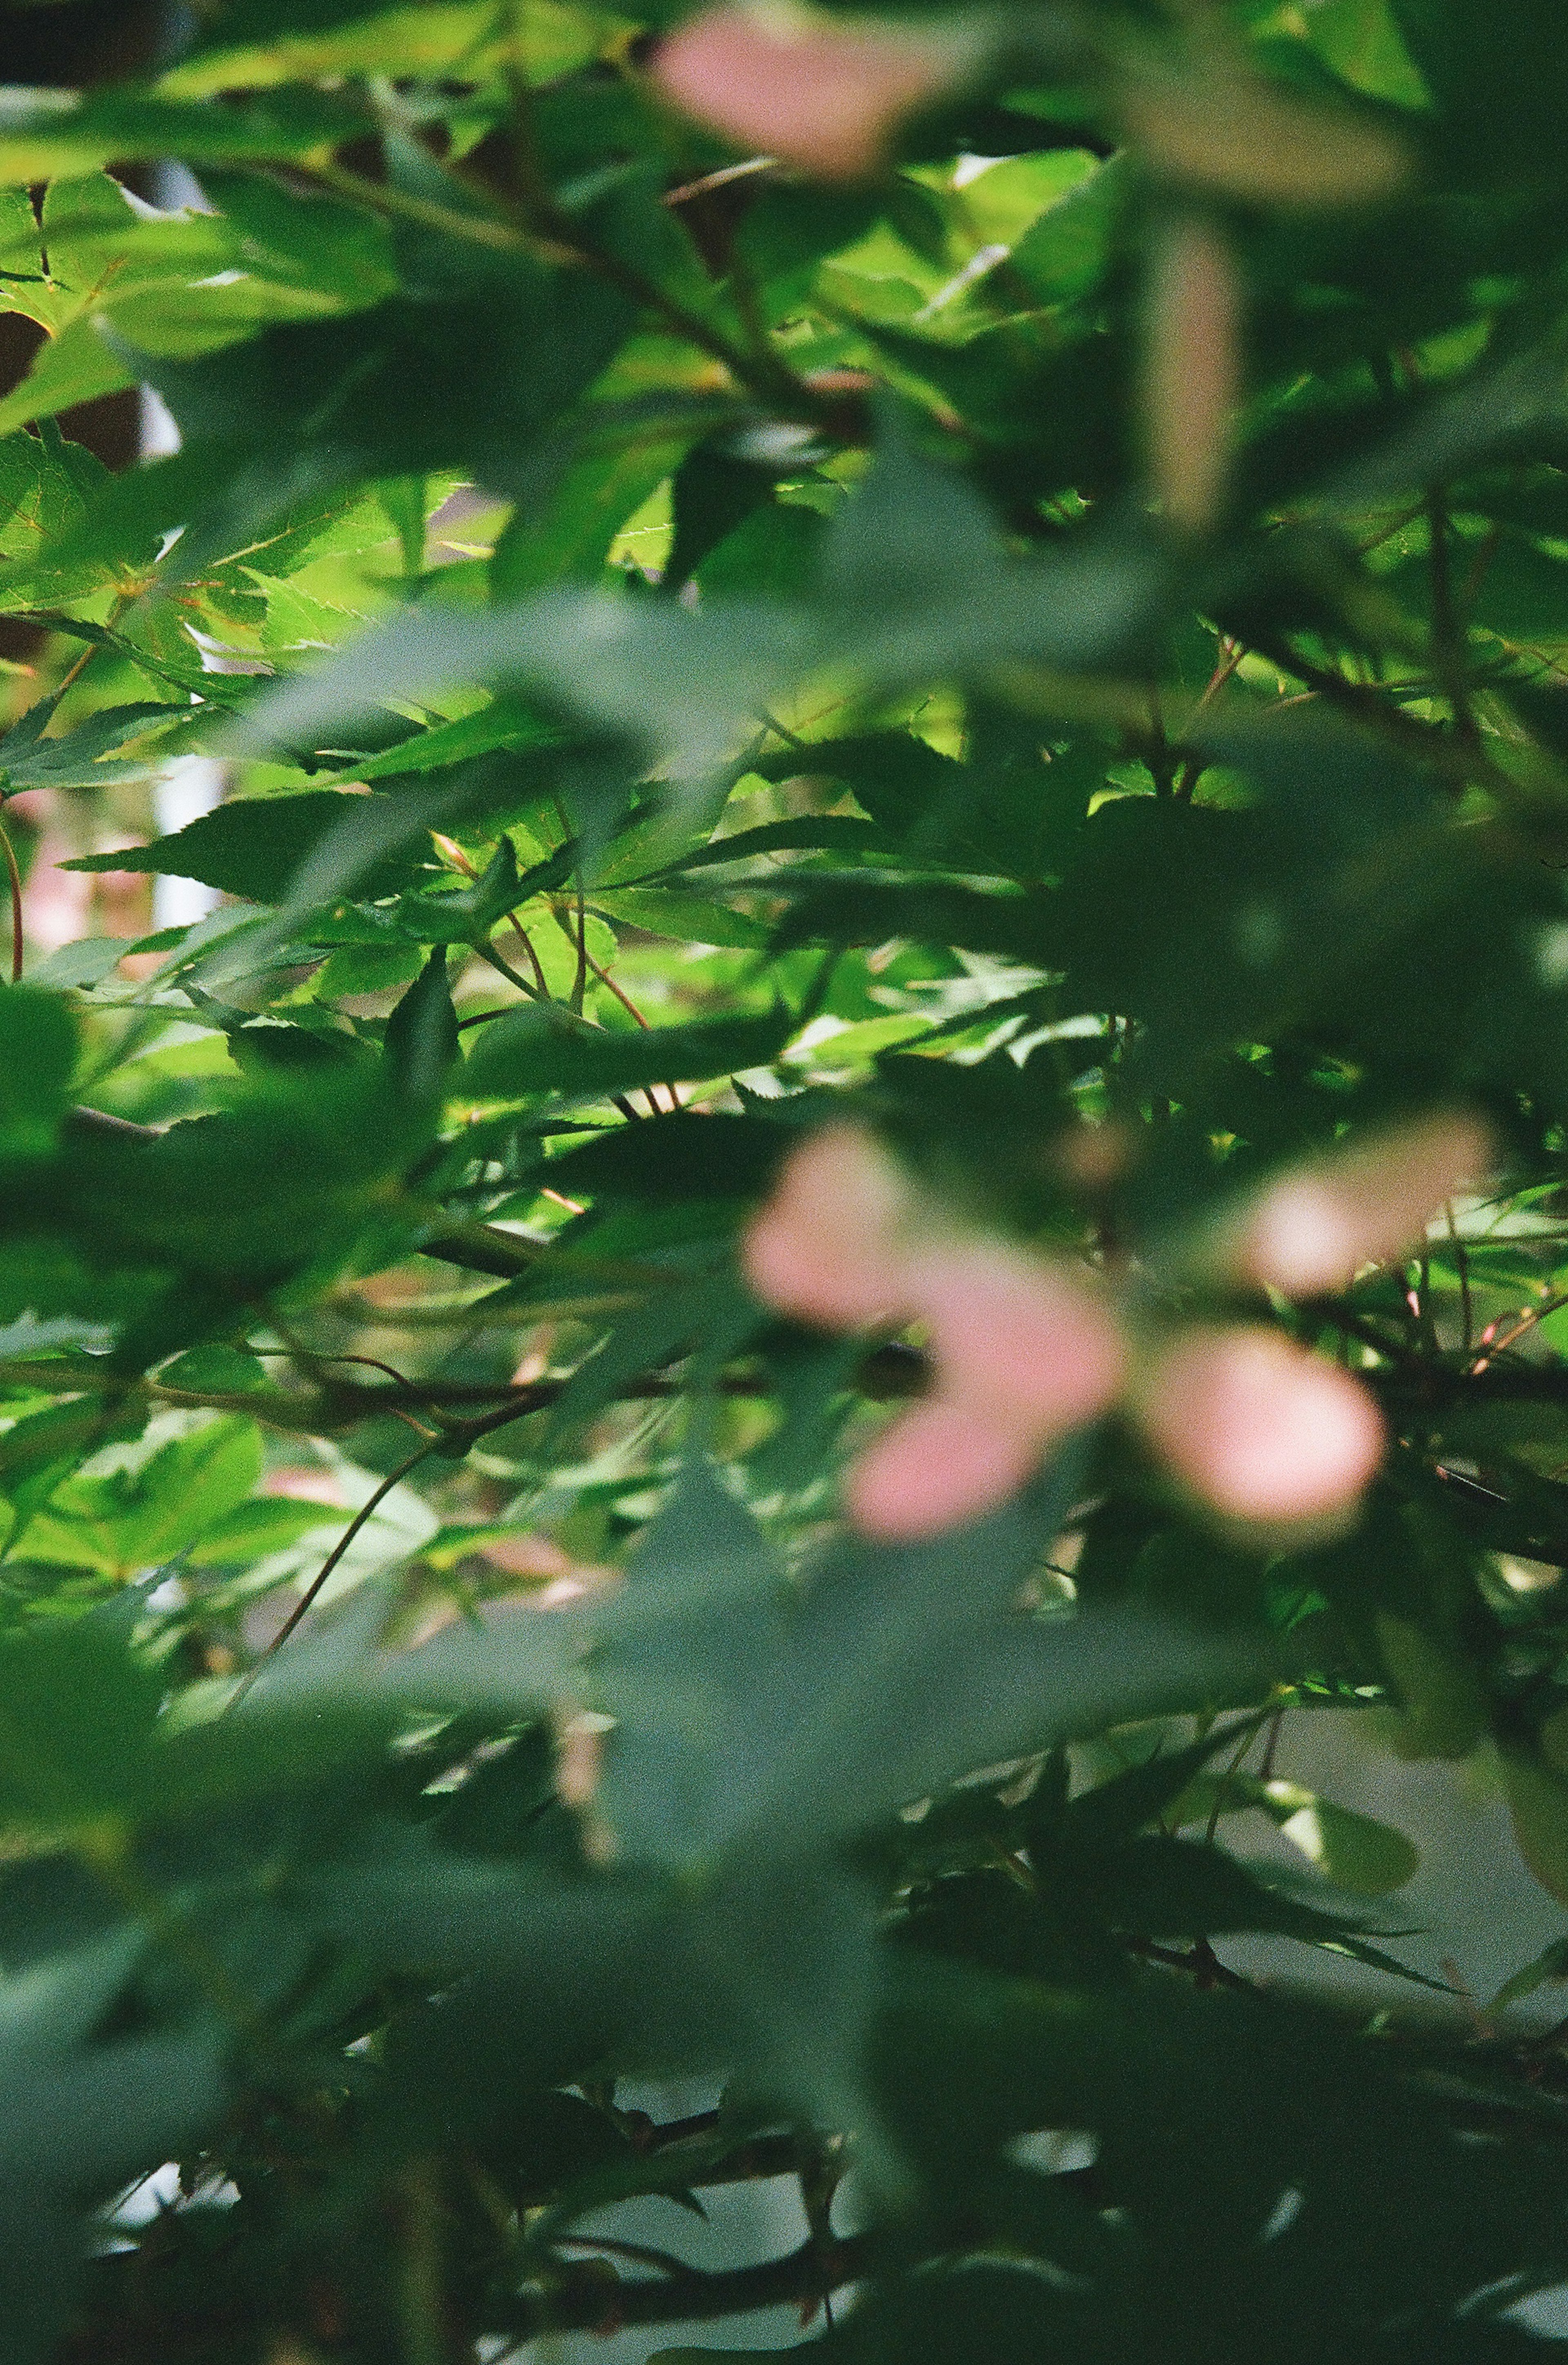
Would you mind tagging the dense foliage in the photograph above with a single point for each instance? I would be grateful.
(1053, 643)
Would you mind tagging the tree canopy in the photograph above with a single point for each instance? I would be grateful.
(855, 1186)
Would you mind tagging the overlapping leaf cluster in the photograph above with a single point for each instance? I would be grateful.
(696, 651)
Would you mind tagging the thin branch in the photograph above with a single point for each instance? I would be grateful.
(308, 1355)
(627, 1004)
(455, 854)
(526, 941)
(722, 179)
(477, 229)
(1430, 742)
(79, 664)
(578, 2301)
(640, 2254)
(302, 1608)
(477, 1248)
(1509, 1337)
(623, 998)
(808, 2274)
(1248, 1735)
(1200, 1963)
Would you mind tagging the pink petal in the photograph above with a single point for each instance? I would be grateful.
(938, 1465)
(1312, 1229)
(1010, 1330)
(1264, 1430)
(820, 94)
(1191, 372)
(828, 1247)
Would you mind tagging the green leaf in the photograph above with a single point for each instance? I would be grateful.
(1188, 1889)
(260, 44)
(44, 482)
(1361, 41)
(507, 359)
(83, 759)
(1064, 253)
(1442, 1707)
(39, 1048)
(47, 133)
(539, 1051)
(254, 846)
(1550, 1964)
(294, 1175)
(84, 2111)
(1538, 1802)
(422, 1041)
(304, 240)
(136, 1518)
(567, 538)
(75, 367)
(289, 417)
(468, 915)
(1118, 1810)
(684, 919)
(505, 723)
(43, 1445)
(744, 1723)
(691, 687)
(688, 1156)
(827, 833)
(77, 1719)
(1354, 1851)
(254, 1531)
(215, 1371)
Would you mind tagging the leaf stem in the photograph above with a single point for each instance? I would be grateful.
(424, 2309)
(14, 875)
(477, 229)
(488, 952)
(580, 984)
(1448, 630)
